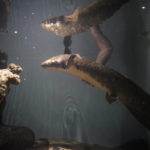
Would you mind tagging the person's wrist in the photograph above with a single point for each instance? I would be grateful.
(95, 31)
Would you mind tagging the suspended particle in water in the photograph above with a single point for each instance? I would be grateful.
(17, 58)
(33, 47)
(25, 37)
(3, 61)
(33, 13)
(15, 32)
(143, 7)
(24, 79)
(25, 17)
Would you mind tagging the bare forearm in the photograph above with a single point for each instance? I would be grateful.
(103, 56)
(103, 43)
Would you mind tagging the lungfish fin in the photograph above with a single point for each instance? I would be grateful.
(75, 15)
(111, 98)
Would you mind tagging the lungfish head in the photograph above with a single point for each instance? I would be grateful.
(61, 25)
(53, 24)
(60, 62)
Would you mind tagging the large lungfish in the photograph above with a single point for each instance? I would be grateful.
(112, 82)
(79, 21)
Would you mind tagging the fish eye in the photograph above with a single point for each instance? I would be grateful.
(61, 18)
(47, 22)
(53, 20)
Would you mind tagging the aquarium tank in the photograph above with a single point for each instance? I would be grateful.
(54, 109)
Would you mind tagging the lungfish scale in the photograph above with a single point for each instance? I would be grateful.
(112, 82)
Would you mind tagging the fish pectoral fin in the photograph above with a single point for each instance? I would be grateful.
(73, 17)
(111, 97)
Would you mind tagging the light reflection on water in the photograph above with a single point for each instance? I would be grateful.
(73, 122)
(144, 4)
(143, 7)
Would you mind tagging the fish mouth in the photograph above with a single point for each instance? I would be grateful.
(44, 64)
(50, 65)
(45, 25)
(42, 25)
(59, 61)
